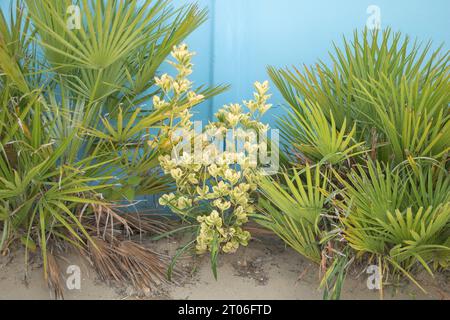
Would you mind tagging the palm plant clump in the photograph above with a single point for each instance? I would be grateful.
(74, 127)
(368, 139)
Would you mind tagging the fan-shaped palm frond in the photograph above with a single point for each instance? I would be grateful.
(293, 209)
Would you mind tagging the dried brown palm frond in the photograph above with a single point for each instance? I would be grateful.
(148, 222)
(143, 266)
(109, 220)
(103, 258)
(113, 253)
(128, 262)
(54, 280)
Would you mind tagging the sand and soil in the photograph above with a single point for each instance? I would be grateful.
(264, 270)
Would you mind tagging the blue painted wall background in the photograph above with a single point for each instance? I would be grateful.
(249, 35)
(243, 37)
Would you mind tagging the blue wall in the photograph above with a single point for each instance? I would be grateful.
(243, 37)
(249, 35)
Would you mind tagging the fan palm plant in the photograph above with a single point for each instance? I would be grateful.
(315, 135)
(400, 217)
(394, 93)
(293, 209)
(378, 119)
(74, 125)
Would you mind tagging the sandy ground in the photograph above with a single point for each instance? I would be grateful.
(264, 270)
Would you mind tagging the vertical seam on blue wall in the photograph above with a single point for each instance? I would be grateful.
(212, 56)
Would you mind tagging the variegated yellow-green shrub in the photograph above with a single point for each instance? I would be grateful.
(215, 186)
